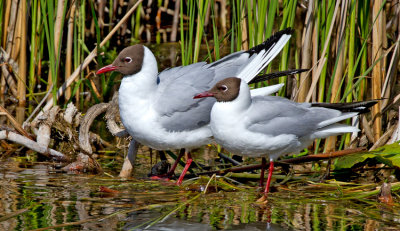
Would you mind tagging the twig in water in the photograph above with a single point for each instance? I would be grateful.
(16, 213)
(293, 160)
(208, 183)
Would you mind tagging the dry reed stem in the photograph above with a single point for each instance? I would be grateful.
(377, 71)
(223, 17)
(323, 58)
(87, 60)
(16, 40)
(367, 129)
(14, 122)
(245, 40)
(390, 76)
(384, 138)
(341, 53)
(6, 22)
(68, 59)
(11, 26)
(175, 21)
(21, 84)
(95, 91)
(330, 142)
(315, 52)
(306, 53)
(12, 14)
(315, 79)
(57, 36)
(396, 134)
(6, 68)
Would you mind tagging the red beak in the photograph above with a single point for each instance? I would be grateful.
(203, 94)
(105, 69)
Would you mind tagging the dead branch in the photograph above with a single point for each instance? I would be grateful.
(86, 122)
(70, 113)
(84, 163)
(14, 122)
(111, 116)
(51, 153)
(45, 122)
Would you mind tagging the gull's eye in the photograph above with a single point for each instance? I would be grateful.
(127, 59)
(223, 88)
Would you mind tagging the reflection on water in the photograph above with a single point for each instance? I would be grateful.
(35, 196)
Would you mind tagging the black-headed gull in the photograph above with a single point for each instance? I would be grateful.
(157, 108)
(272, 126)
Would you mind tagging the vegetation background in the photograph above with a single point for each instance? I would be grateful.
(49, 50)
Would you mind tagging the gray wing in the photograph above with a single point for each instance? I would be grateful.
(275, 116)
(177, 86)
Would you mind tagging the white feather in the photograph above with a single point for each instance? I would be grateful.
(266, 90)
(263, 59)
(337, 119)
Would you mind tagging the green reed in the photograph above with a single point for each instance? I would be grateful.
(34, 56)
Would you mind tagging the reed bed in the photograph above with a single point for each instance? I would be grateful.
(351, 47)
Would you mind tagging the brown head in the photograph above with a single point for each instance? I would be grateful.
(128, 62)
(225, 90)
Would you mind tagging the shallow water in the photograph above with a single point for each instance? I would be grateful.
(45, 198)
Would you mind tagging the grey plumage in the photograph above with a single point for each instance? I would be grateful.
(272, 115)
(177, 86)
(188, 81)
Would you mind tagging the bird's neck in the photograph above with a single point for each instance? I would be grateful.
(144, 83)
(236, 106)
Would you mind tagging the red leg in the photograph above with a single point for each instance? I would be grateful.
(271, 169)
(263, 164)
(188, 162)
(172, 170)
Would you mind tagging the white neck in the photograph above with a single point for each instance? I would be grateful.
(136, 92)
(143, 83)
(225, 111)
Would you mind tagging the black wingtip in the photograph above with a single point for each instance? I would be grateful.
(270, 41)
(278, 74)
(360, 107)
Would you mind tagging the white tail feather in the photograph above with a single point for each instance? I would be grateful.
(337, 119)
(334, 129)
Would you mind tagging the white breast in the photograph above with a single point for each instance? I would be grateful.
(229, 128)
(142, 120)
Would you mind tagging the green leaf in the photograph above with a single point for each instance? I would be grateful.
(395, 160)
(388, 155)
(350, 160)
(389, 149)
